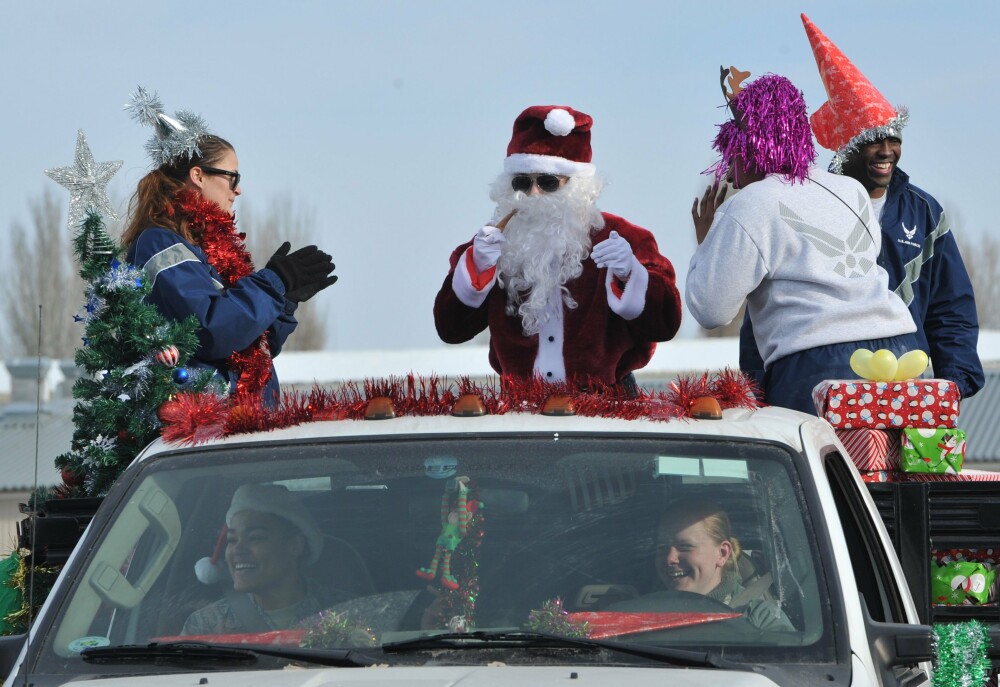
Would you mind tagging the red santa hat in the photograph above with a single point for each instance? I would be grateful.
(550, 139)
(856, 113)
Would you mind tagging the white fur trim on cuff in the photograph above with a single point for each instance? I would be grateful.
(633, 300)
(524, 163)
(461, 282)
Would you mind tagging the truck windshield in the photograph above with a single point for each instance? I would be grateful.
(660, 542)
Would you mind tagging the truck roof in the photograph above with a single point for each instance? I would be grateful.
(770, 423)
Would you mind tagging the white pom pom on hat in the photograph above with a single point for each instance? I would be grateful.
(207, 571)
(559, 122)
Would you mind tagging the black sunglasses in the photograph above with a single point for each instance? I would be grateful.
(546, 182)
(234, 177)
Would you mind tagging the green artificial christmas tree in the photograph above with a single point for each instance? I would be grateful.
(133, 359)
(132, 356)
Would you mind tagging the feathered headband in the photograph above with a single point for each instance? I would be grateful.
(175, 137)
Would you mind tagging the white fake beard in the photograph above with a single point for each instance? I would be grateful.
(547, 241)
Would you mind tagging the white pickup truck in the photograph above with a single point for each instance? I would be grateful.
(557, 574)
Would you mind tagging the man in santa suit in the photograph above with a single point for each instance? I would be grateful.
(569, 293)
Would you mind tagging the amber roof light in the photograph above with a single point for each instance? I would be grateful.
(706, 408)
(468, 405)
(559, 404)
(380, 408)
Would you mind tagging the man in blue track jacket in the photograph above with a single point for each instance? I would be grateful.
(919, 250)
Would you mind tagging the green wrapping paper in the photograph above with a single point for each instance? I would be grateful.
(961, 582)
(940, 451)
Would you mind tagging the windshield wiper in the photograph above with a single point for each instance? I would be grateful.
(534, 640)
(199, 653)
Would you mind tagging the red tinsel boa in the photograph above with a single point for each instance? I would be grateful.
(216, 234)
(194, 418)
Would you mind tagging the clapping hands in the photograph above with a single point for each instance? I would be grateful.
(304, 273)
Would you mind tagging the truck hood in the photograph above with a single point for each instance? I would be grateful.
(450, 676)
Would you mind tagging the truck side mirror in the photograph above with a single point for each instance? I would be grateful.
(899, 644)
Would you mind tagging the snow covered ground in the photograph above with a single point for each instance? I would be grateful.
(681, 355)
(328, 367)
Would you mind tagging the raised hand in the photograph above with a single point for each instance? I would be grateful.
(488, 245)
(615, 253)
(703, 211)
(304, 272)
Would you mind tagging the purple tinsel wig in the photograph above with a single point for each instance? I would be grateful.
(772, 134)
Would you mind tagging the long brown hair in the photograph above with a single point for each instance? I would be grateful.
(152, 202)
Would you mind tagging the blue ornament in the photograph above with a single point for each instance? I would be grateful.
(181, 375)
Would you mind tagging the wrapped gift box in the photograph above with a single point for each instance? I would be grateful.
(878, 476)
(861, 404)
(932, 450)
(963, 476)
(961, 582)
(872, 449)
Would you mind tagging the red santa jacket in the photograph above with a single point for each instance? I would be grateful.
(598, 343)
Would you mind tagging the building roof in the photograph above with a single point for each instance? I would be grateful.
(21, 430)
(304, 368)
(980, 418)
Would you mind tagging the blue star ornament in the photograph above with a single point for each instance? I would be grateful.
(87, 182)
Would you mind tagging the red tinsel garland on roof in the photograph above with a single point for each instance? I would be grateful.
(195, 418)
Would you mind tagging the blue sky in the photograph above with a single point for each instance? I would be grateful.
(390, 119)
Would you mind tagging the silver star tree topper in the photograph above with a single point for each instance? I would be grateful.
(87, 182)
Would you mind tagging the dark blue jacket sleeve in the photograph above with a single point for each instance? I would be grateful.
(184, 284)
(950, 323)
(282, 327)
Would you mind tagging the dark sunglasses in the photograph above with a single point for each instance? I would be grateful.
(234, 177)
(546, 182)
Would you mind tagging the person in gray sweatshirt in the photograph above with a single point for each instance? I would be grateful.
(799, 244)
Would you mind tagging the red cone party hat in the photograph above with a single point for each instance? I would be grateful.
(856, 113)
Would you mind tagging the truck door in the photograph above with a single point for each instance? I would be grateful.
(874, 574)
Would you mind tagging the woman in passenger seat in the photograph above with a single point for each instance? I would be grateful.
(696, 552)
(270, 538)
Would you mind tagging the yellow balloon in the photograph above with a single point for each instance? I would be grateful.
(859, 362)
(911, 365)
(883, 365)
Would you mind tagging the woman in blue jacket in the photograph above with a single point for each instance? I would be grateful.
(182, 233)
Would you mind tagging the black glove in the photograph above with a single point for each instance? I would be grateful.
(304, 293)
(307, 267)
